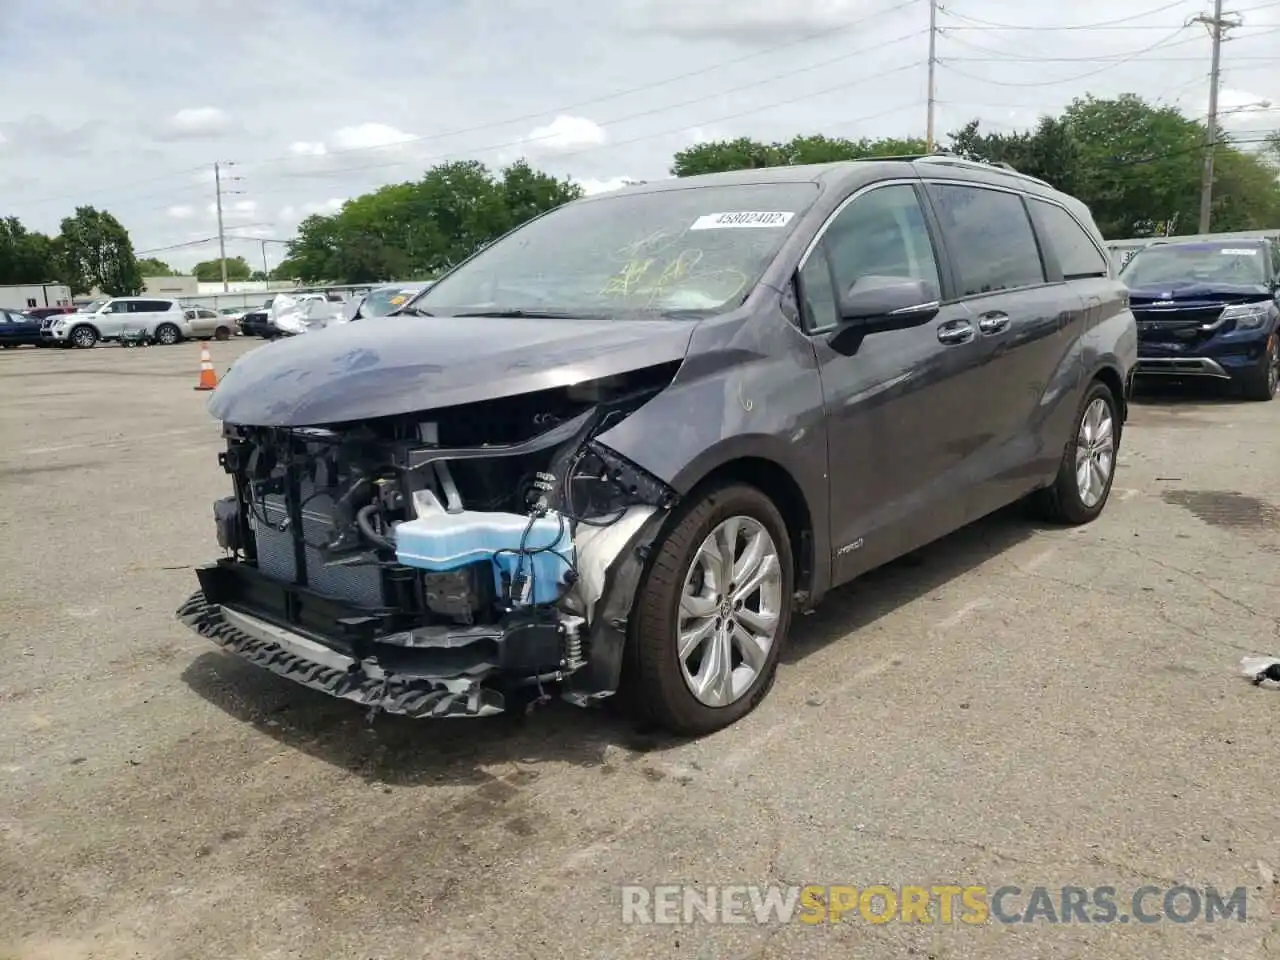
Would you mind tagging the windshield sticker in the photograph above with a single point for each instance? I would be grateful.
(399, 299)
(743, 220)
(1241, 252)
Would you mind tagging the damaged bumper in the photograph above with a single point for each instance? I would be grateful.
(313, 665)
(377, 658)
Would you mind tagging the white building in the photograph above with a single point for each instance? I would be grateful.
(27, 296)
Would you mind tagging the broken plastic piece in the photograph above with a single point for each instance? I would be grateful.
(1259, 669)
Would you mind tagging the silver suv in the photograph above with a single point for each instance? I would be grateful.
(106, 318)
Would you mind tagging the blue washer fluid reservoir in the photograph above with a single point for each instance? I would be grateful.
(439, 541)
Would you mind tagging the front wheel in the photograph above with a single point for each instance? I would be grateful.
(712, 614)
(1088, 467)
(82, 338)
(1261, 382)
(167, 334)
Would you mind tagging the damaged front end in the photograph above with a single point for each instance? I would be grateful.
(444, 563)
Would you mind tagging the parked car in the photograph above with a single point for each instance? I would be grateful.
(621, 447)
(106, 318)
(203, 323)
(1209, 309)
(234, 314)
(19, 329)
(41, 313)
(384, 300)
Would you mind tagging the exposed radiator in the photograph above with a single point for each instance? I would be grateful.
(356, 583)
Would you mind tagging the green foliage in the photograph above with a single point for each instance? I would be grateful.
(151, 267)
(421, 227)
(210, 271)
(94, 250)
(747, 154)
(25, 257)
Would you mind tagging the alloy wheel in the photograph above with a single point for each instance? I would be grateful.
(1273, 368)
(84, 337)
(167, 335)
(1095, 452)
(729, 611)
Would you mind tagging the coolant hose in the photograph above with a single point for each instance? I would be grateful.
(365, 524)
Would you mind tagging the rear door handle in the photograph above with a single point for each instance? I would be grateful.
(957, 331)
(994, 322)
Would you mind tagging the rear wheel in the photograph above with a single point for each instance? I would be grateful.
(168, 334)
(222, 333)
(712, 613)
(1088, 467)
(83, 337)
(1262, 380)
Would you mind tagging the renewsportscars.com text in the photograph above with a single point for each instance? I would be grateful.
(941, 904)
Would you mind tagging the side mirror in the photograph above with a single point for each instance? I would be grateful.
(888, 303)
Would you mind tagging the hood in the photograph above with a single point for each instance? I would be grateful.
(1179, 293)
(402, 364)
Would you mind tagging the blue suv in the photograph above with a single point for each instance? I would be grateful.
(1209, 309)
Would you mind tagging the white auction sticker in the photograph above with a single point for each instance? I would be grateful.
(1241, 252)
(742, 220)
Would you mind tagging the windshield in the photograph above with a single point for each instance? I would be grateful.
(692, 249)
(93, 306)
(381, 302)
(1203, 262)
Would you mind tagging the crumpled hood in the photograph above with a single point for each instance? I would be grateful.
(402, 364)
(1196, 291)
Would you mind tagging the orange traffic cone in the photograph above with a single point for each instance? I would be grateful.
(208, 379)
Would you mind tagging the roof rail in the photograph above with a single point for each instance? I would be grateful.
(953, 160)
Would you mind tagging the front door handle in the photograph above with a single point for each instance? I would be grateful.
(957, 331)
(994, 322)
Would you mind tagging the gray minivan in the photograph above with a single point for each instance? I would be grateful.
(617, 450)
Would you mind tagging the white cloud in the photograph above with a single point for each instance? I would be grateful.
(181, 211)
(308, 148)
(565, 134)
(197, 123)
(366, 136)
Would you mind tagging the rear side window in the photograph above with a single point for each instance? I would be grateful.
(1077, 256)
(989, 236)
(150, 306)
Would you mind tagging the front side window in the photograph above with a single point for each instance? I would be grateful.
(1222, 262)
(881, 233)
(989, 236)
(685, 249)
(1077, 255)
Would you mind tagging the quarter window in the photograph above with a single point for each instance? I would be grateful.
(989, 236)
(1077, 256)
(880, 234)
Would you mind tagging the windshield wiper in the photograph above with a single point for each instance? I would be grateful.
(531, 314)
(410, 312)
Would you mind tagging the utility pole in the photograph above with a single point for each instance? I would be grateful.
(933, 62)
(1216, 24)
(222, 240)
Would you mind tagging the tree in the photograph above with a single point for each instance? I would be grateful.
(1049, 152)
(25, 257)
(94, 250)
(421, 227)
(151, 267)
(210, 271)
(746, 154)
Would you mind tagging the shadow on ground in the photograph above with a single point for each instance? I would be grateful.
(396, 750)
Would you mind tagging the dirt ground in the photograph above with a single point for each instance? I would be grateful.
(1015, 705)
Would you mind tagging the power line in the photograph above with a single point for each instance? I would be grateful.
(981, 24)
(1111, 65)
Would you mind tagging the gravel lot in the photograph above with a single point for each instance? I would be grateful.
(1014, 705)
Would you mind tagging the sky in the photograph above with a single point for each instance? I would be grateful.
(127, 104)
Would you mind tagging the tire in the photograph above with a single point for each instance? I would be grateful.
(1262, 381)
(222, 333)
(167, 334)
(1063, 501)
(82, 337)
(654, 676)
